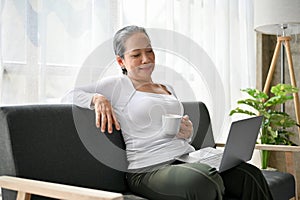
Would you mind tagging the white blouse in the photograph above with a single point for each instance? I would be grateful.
(140, 118)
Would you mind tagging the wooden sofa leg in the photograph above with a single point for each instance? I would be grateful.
(23, 196)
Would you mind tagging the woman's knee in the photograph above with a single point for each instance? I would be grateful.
(184, 181)
(201, 181)
(250, 170)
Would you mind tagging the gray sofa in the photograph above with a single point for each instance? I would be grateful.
(43, 142)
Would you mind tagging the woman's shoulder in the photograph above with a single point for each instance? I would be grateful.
(117, 88)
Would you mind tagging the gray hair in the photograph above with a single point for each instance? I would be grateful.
(122, 35)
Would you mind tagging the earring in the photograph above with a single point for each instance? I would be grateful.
(124, 70)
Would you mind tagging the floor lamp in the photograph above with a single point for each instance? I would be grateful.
(281, 18)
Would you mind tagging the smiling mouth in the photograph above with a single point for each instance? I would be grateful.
(146, 67)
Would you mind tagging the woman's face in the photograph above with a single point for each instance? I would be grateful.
(139, 58)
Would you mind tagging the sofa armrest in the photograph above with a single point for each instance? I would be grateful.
(26, 187)
(289, 152)
(289, 157)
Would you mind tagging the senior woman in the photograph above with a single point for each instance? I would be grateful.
(133, 102)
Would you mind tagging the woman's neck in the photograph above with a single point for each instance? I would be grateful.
(149, 86)
(140, 83)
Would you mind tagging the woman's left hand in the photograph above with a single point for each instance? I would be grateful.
(186, 128)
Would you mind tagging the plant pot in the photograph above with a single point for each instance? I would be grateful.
(264, 155)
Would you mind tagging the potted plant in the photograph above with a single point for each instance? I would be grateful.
(276, 124)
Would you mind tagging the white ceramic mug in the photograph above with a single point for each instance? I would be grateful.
(171, 124)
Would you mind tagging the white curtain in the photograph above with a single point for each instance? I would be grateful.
(44, 44)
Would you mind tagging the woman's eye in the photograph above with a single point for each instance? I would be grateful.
(135, 55)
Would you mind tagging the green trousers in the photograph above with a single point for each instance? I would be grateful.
(196, 181)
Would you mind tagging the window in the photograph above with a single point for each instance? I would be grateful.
(44, 45)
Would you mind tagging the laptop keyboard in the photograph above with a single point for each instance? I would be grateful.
(208, 155)
(213, 161)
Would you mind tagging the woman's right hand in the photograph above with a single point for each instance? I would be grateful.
(105, 115)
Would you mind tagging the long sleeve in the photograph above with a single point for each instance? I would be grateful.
(81, 96)
(117, 89)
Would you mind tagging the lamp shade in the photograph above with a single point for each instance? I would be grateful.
(270, 15)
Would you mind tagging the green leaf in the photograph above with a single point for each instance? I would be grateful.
(267, 139)
(277, 100)
(274, 112)
(241, 111)
(283, 138)
(257, 105)
(282, 120)
(255, 93)
(283, 89)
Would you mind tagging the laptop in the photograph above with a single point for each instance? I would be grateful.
(239, 146)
